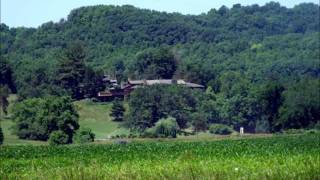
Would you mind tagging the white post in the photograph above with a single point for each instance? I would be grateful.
(241, 131)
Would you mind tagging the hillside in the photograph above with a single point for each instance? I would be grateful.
(259, 65)
(258, 41)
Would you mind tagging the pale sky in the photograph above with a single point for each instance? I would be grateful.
(32, 13)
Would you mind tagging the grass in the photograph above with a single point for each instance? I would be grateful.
(276, 157)
(202, 156)
(96, 117)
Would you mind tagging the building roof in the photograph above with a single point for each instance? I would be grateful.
(193, 85)
(136, 82)
(159, 81)
(165, 81)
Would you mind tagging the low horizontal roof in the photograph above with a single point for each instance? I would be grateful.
(193, 85)
(165, 81)
(160, 81)
(136, 82)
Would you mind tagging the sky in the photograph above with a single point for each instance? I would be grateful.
(32, 13)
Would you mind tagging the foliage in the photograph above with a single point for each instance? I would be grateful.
(271, 100)
(71, 70)
(301, 107)
(281, 156)
(166, 127)
(58, 138)
(149, 133)
(149, 104)
(155, 64)
(84, 135)
(117, 110)
(1, 136)
(262, 126)
(4, 94)
(199, 121)
(220, 129)
(35, 78)
(6, 78)
(37, 118)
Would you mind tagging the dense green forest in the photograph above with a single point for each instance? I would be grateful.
(260, 64)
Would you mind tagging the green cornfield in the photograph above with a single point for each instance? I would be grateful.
(276, 157)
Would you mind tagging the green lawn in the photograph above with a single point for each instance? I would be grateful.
(96, 117)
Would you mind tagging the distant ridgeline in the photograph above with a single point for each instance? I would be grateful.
(256, 44)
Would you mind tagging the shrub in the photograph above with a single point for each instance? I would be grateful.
(1, 136)
(84, 136)
(220, 129)
(199, 121)
(58, 138)
(149, 133)
(166, 127)
(36, 118)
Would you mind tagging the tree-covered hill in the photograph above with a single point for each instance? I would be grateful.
(112, 33)
(255, 61)
(260, 42)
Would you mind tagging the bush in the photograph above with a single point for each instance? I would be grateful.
(149, 133)
(84, 136)
(166, 127)
(36, 118)
(58, 138)
(220, 129)
(1, 136)
(199, 121)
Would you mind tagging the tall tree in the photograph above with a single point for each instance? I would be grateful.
(4, 94)
(6, 78)
(117, 110)
(1, 136)
(71, 69)
(271, 100)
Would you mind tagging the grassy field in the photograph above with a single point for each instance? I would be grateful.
(96, 117)
(277, 157)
